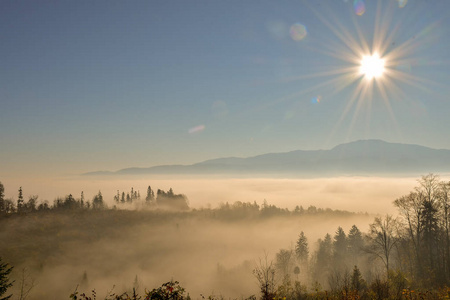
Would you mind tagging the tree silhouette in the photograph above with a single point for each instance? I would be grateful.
(382, 239)
(5, 270)
(97, 201)
(2, 198)
(340, 247)
(301, 248)
(150, 195)
(20, 201)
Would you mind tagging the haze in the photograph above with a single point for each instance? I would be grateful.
(296, 132)
(358, 194)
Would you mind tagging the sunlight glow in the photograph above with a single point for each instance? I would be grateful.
(375, 63)
(372, 66)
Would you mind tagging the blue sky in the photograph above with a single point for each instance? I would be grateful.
(104, 85)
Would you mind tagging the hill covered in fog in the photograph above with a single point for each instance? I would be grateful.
(364, 157)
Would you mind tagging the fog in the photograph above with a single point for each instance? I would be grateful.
(371, 194)
(208, 254)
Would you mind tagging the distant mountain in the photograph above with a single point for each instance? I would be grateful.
(364, 157)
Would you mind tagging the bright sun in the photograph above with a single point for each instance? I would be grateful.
(372, 66)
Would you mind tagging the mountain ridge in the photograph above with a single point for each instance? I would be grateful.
(361, 157)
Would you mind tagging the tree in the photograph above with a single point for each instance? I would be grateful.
(117, 197)
(301, 248)
(382, 239)
(445, 220)
(150, 195)
(425, 214)
(97, 201)
(355, 244)
(323, 259)
(410, 207)
(283, 262)
(82, 199)
(20, 201)
(340, 249)
(30, 206)
(357, 282)
(2, 198)
(9, 206)
(5, 270)
(265, 274)
(172, 201)
(26, 284)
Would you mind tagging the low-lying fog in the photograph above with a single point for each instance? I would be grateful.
(371, 194)
(207, 255)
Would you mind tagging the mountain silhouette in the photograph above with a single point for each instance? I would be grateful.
(363, 157)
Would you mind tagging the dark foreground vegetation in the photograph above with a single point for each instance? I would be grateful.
(404, 257)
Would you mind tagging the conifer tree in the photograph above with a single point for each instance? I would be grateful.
(20, 201)
(97, 202)
(150, 195)
(82, 199)
(301, 248)
(5, 270)
(117, 197)
(2, 198)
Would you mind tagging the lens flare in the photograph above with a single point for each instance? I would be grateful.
(196, 129)
(402, 3)
(359, 7)
(315, 100)
(298, 32)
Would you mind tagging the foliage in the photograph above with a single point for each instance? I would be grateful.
(301, 248)
(265, 274)
(168, 291)
(5, 271)
(170, 200)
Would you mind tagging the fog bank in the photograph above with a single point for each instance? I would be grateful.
(371, 194)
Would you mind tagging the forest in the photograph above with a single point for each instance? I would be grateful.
(157, 247)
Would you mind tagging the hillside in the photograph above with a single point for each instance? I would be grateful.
(364, 157)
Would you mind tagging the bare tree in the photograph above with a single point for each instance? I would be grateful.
(265, 274)
(382, 239)
(26, 284)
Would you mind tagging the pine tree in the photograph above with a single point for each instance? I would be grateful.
(340, 249)
(2, 198)
(150, 195)
(97, 202)
(357, 282)
(117, 197)
(5, 270)
(20, 201)
(355, 244)
(82, 199)
(301, 248)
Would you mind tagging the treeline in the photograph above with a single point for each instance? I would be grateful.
(163, 200)
(247, 210)
(396, 256)
(166, 200)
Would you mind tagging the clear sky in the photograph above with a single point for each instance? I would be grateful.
(105, 85)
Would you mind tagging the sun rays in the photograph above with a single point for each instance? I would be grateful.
(375, 63)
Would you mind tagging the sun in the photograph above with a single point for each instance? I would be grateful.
(372, 66)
